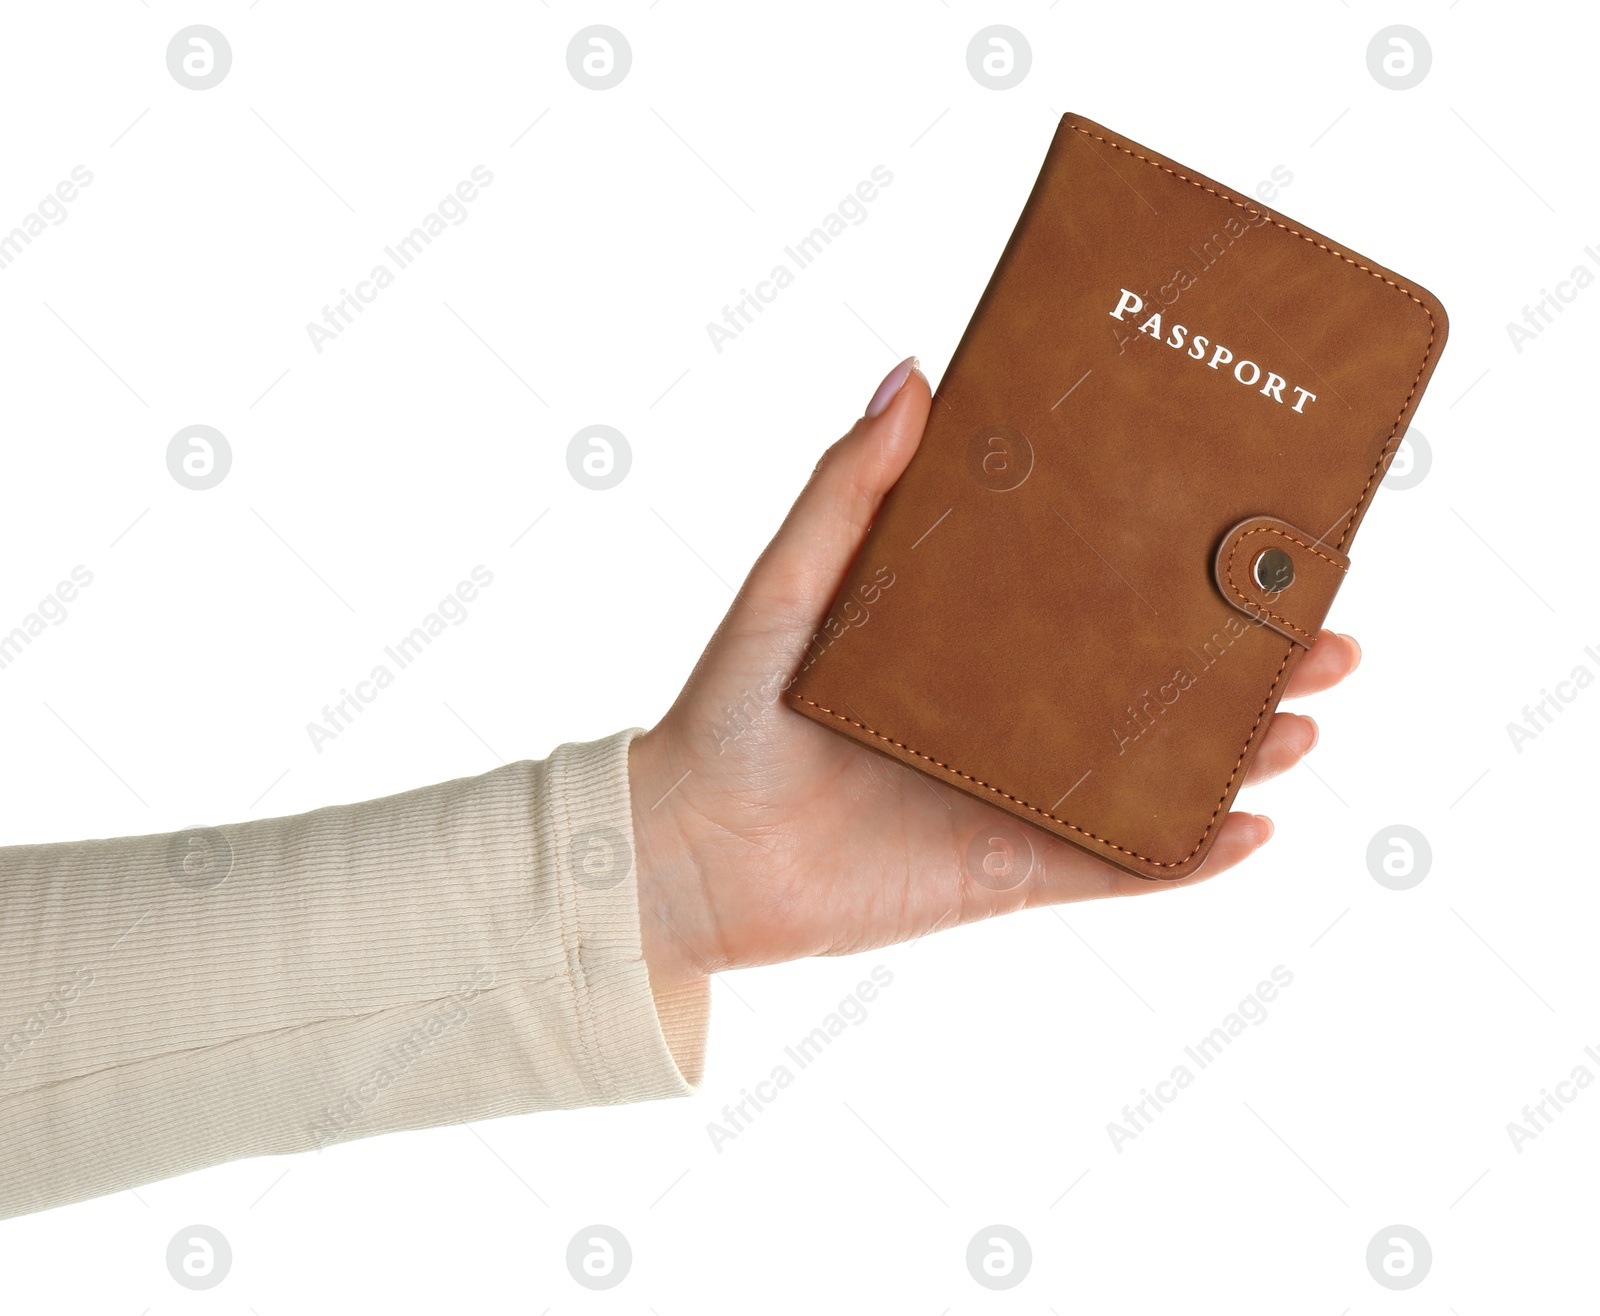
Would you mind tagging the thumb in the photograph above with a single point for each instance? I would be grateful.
(788, 590)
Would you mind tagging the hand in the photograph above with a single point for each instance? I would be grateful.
(789, 840)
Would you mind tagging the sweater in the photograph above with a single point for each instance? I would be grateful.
(458, 952)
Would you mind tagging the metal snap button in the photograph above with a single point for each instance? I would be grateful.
(1274, 571)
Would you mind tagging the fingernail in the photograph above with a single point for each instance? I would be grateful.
(1267, 823)
(893, 382)
(1354, 644)
(1316, 733)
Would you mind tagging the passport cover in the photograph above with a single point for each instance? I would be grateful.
(1066, 605)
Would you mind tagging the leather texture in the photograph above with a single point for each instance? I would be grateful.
(1056, 609)
(1295, 610)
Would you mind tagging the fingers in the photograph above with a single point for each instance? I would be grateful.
(1332, 658)
(797, 576)
(1241, 835)
(1071, 875)
(1290, 737)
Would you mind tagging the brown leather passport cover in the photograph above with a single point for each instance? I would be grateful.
(1064, 607)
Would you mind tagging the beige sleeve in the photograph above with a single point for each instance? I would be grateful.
(454, 953)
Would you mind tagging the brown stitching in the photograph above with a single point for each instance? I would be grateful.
(1245, 598)
(1253, 211)
(1045, 813)
(1273, 530)
(1390, 444)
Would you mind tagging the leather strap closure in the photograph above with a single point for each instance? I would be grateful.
(1314, 572)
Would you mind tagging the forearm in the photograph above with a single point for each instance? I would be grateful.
(462, 951)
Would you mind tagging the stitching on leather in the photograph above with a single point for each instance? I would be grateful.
(1045, 813)
(1390, 444)
(1245, 598)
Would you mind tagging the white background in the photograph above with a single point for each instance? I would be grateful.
(369, 478)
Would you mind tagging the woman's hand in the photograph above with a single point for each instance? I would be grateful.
(789, 840)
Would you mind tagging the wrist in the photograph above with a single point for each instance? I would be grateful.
(673, 908)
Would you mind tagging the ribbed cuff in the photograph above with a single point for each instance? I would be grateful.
(640, 1045)
(459, 952)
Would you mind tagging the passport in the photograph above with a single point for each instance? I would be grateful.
(1132, 507)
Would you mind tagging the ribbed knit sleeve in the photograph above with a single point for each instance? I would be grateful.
(457, 952)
